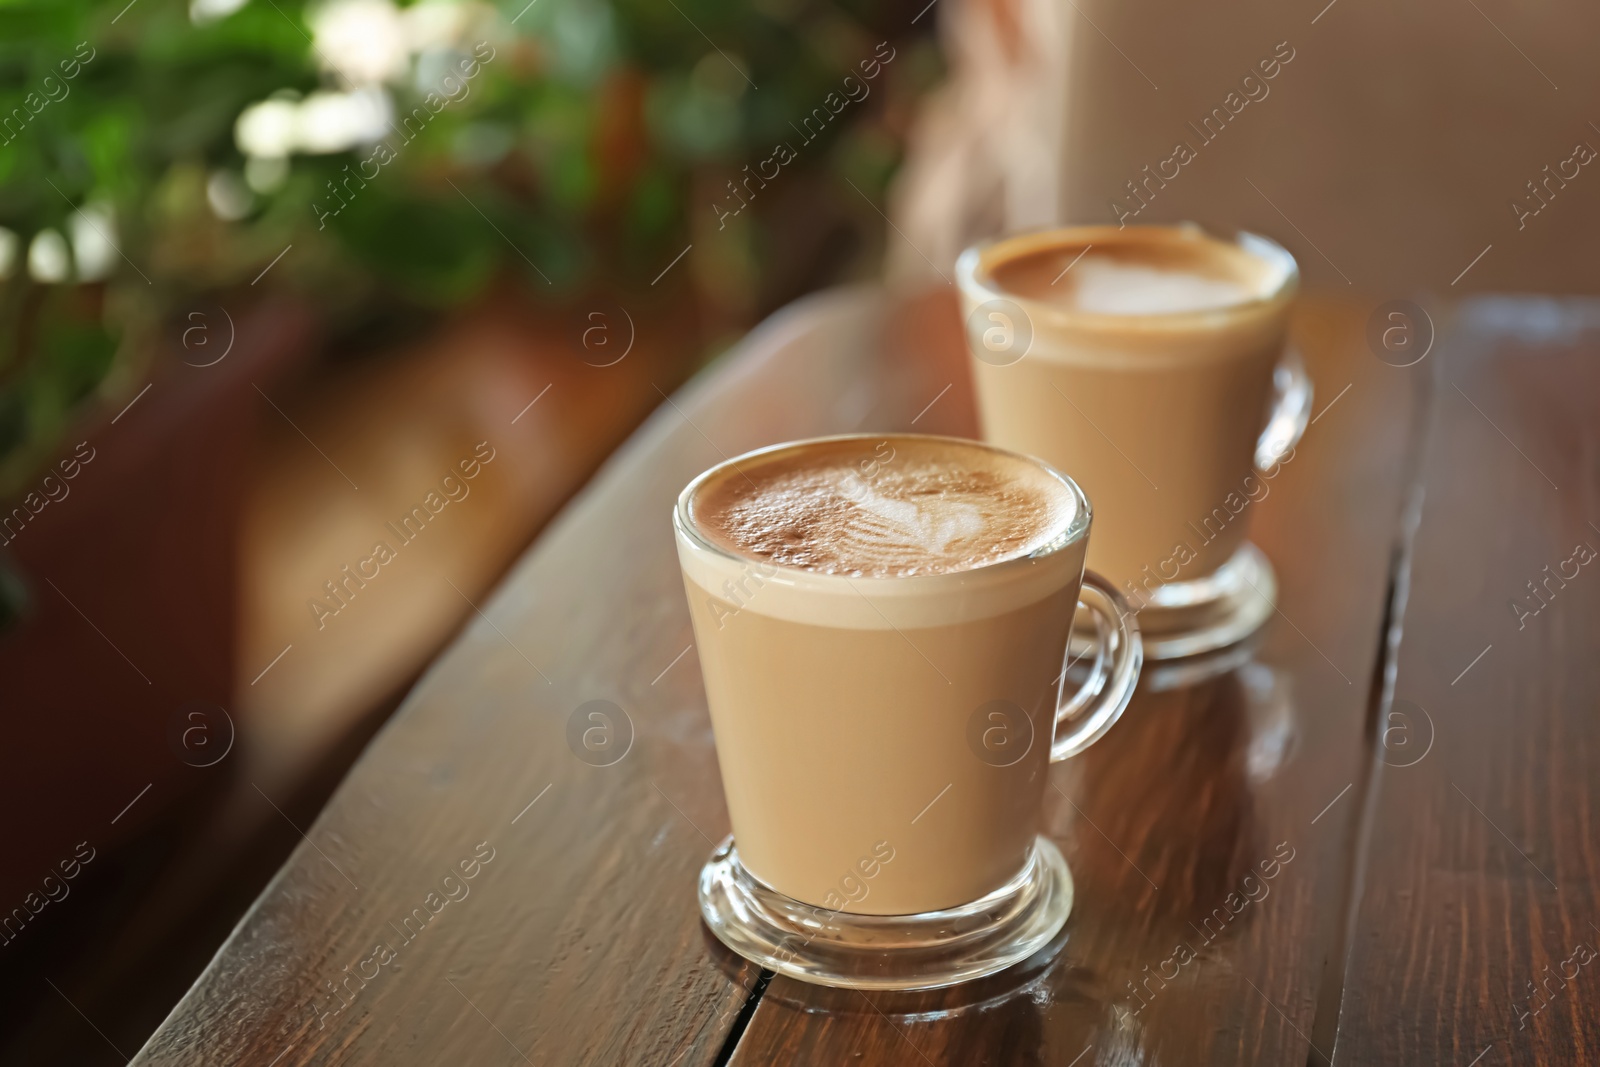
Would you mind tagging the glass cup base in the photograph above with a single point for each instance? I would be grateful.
(924, 951)
(1182, 619)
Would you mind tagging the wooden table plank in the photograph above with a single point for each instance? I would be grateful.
(579, 940)
(1484, 869)
(1192, 793)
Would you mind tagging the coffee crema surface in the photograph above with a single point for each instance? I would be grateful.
(897, 507)
(1170, 272)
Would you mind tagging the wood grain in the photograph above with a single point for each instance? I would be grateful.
(1483, 866)
(580, 940)
(1183, 803)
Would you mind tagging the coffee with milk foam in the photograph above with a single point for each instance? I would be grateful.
(875, 510)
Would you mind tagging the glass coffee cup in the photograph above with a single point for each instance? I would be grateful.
(885, 724)
(1147, 359)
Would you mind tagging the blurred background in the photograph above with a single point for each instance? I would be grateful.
(313, 314)
(276, 273)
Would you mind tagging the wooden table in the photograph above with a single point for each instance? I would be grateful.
(1408, 756)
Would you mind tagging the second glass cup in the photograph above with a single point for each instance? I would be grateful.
(1147, 359)
(884, 741)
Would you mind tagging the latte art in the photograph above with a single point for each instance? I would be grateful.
(1141, 271)
(861, 510)
(1108, 287)
(900, 524)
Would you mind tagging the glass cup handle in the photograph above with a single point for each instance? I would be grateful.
(1291, 411)
(1118, 655)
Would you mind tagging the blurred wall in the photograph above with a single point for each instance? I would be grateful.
(1386, 149)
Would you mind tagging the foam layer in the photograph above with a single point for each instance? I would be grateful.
(1142, 271)
(1107, 287)
(883, 508)
(733, 582)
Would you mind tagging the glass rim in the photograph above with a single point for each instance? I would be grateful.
(1076, 530)
(975, 279)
